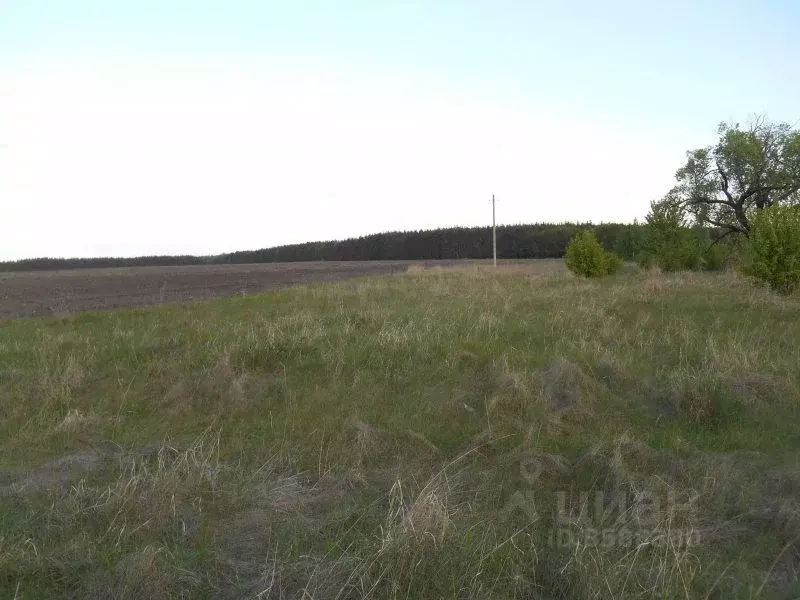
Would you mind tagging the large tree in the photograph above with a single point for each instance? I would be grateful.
(748, 169)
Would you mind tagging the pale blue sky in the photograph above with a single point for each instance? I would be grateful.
(143, 127)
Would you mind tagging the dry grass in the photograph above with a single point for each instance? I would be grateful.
(467, 433)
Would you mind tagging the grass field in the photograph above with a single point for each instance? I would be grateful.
(444, 433)
(59, 293)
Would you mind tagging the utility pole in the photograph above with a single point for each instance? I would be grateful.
(494, 235)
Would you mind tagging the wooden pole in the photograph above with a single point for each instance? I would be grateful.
(494, 234)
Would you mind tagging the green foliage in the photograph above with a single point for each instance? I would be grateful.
(629, 242)
(773, 248)
(716, 256)
(587, 257)
(747, 170)
(669, 242)
(721, 253)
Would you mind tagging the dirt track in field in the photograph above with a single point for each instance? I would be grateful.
(44, 293)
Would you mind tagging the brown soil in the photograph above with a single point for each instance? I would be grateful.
(63, 292)
(45, 293)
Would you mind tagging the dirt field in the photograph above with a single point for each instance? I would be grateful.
(45, 293)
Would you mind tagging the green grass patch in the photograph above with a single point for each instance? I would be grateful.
(461, 433)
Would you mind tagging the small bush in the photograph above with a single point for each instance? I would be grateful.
(668, 241)
(772, 255)
(670, 250)
(678, 254)
(722, 254)
(715, 257)
(587, 257)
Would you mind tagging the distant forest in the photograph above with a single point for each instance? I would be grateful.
(540, 240)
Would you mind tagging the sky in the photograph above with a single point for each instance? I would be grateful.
(196, 127)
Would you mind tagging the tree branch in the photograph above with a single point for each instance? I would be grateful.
(705, 200)
(724, 182)
(727, 226)
(722, 237)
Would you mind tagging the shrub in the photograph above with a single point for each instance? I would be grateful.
(722, 254)
(678, 250)
(667, 240)
(629, 243)
(772, 255)
(587, 257)
(715, 257)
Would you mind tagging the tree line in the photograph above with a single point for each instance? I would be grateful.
(735, 201)
(745, 189)
(538, 240)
